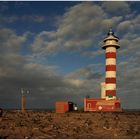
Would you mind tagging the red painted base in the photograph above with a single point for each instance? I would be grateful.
(101, 105)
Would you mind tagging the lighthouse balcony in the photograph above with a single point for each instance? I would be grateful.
(116, 45)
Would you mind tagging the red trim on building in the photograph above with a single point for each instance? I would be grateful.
(111, 55)
(111, 92)
(110, 80)
(110, 67)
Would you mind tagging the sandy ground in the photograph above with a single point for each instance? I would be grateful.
(39, 125)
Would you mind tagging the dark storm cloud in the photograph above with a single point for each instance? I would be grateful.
(43, 81)
(89, 72)
(16, 72)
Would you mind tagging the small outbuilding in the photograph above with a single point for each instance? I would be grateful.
(64, 106)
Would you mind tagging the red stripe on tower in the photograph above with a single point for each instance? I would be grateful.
(110, 80)
(110, 55)
(110, 67)
(110, 92)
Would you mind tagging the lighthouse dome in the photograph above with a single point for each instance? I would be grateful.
(111, 40)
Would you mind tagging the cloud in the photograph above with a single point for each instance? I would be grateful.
(84, 25)
(116, 7)
(43, 81)
(89, 72)
(74, 82)
(79, 24)
(129, 45)
(10, 51)
(77, 30)
(124, 26)
(10, 42)
(93, 53)
(129, 65)
(45, 86)
(128, 83)
(111, 22)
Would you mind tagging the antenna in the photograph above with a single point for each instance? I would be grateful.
(110, 31)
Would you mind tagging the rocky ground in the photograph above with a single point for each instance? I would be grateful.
(39, 125)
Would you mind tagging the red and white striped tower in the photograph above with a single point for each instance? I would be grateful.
(110, 45)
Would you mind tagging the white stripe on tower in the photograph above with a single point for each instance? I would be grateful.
(110, 74)
(111, 87)
(111, 61)
(110, 49)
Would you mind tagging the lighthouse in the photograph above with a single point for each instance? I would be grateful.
(108, 102)
(110, 46)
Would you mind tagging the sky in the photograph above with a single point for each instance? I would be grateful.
(53, 49)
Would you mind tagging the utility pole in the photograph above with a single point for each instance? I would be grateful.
(23, 100)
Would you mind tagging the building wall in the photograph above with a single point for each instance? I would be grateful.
(92, 105)
(61, 107)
